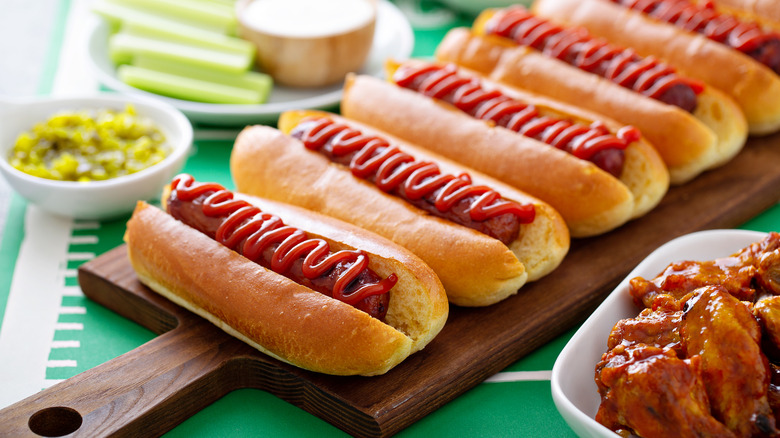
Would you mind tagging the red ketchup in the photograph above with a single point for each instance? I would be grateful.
(422, 183)
(746, 36)
(265, 239)
(647, 76)
(593, 143)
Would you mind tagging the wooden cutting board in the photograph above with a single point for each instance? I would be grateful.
(191, 364)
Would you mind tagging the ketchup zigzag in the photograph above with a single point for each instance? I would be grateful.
(250, 232)
(467, 94)
(647, 76)
(420, 182)
(746, 36)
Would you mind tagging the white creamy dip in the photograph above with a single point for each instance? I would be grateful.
(307, 18)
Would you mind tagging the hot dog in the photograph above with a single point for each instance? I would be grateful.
(733, 54)
(688, 142)
(618, 176)
(304, 288)
(483, 239)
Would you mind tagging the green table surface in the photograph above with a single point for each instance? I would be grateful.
(514, 408)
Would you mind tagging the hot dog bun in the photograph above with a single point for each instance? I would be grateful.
(645, 173)
(688, 143)
(766, 12)
(590, 200)
(476, 269)
(754, 87)
(282, 318)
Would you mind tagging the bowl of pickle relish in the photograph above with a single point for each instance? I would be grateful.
(91, 157)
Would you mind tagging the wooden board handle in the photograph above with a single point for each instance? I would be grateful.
(132, 390)
(151, 388)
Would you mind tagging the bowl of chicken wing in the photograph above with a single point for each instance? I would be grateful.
(688, 344)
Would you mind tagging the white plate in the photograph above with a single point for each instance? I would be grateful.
(573, 387)
(393, 38)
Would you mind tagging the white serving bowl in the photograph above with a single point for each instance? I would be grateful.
(573, 387)
(95, 200)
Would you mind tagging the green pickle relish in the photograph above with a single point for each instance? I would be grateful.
(90, 145)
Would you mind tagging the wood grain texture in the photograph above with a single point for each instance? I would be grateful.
(192, 363)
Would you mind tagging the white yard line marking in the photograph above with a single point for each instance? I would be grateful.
(73, 310)
(80, 256)
(520, 376)
(70, 273)
(65, 363)
(68, 326)
(66, 344)
(84, 240)
(72, 291)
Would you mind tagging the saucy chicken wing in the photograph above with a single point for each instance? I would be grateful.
(722, 331)
(678, 279)
(649, 391)
(767, 313)
(759, 261)
(768, 277)
(695, 361)
(652, 327)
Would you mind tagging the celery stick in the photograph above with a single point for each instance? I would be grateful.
(252, 80)
(211, 14)
(123, 45)
(200, 38)
(119, 57)
(185, 88)
(140, 22)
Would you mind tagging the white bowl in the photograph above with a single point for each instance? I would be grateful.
(95, 199)
(315, 49)
(573, 387)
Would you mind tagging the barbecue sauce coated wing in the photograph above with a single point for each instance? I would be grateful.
(722, 331)
(697, 359)
(643, 384)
